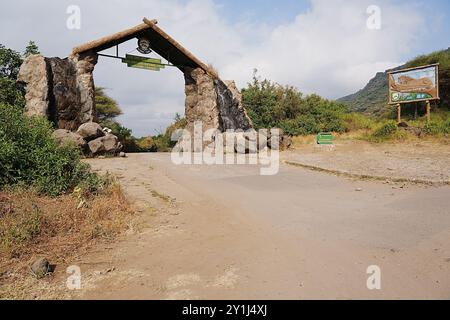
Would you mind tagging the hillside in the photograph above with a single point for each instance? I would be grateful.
(372, 99)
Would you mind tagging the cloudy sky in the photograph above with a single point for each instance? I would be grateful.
(319, 46)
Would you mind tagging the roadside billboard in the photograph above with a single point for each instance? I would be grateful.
(415, 84)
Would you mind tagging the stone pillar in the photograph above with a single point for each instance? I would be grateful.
(201, 100)
(216, 103)
(84, 66)
(34, 73)
(62, 90)
(64, 96)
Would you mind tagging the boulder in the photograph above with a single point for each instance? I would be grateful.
(63, 136)
(112, 144)
(108, 144)
(96, 146)
(90, 131)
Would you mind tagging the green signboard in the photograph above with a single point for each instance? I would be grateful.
(143, 63)
(325, 138)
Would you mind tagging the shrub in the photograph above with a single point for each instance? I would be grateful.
(385, 130)
(271, 105)
(30, 156)
(447, 126)
(437, 127)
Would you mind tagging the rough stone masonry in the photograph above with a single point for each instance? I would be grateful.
(63, 91)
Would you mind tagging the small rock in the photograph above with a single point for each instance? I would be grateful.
(40, 268)
(359, 189)
(123, 155)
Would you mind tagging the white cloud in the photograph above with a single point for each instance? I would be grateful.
(327, 49)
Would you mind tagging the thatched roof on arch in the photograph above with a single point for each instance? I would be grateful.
(161, 43)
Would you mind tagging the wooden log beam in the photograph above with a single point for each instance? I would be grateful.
(113, 38)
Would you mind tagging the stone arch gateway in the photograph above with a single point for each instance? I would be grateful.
(63, 89)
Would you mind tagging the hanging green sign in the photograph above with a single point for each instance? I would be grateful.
(143, 63)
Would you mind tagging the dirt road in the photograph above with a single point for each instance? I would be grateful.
(226, 232)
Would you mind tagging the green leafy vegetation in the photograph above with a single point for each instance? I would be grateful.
(271, 105)
(441, 57)
(29, 156)
(385, 130)
(11, 92)
(31, 49)
(107, 108)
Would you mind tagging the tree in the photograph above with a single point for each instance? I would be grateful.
(10, 91)
(10, 62)
(107, 108)
(31, 49)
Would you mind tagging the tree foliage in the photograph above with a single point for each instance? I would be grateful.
(107, 108)
(31, 49)
(10, 62)
(11, 92)
(271, 105)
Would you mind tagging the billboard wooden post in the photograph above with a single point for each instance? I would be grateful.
(428, 111)
(399, 113)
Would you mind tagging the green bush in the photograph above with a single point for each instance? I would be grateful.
(29, 156)
(271, 105)
(447, 126)
(385, 130)
(433, 128)
(437, 127)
